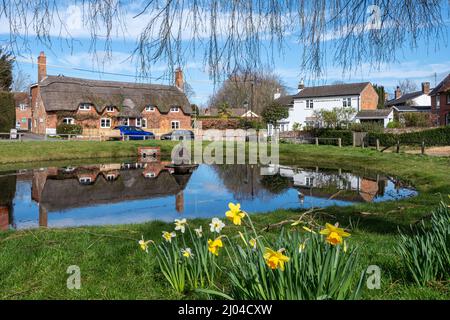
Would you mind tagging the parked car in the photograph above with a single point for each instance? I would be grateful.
(134, 133)
(179, 135)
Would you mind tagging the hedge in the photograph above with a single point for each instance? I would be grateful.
(69, 129)
(7, 111)
(345, 135)
(433, 137)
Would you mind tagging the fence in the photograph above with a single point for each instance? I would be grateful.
(316, 141)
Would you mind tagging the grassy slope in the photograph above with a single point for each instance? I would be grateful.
(33, 263)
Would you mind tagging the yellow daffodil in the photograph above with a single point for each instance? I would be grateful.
(144, 244)
(214, 246)
(216, 225)
(180, 225)
(187, 253)
(168, 236)
(199, 232)
(275, 259)
(235, 213)
(253, 243)
(302, 247)
(334, 234)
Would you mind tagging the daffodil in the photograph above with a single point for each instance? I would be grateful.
(334, 234)
(275, 259)
(199, 232)
(180, 225)
(144, 244)
(302, 247)
(168, 236)
(253, 243)
(216, 225)
(187, 253)
(235, 214)
(215, 245)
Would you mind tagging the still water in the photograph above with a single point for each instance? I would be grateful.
(124, 193)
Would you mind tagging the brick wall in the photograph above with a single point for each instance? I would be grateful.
(369, 98)
(443, 110)
(4, 218)
(22, 117)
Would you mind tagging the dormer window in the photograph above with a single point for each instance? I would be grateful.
(85, 107)
(174, 109)
(110, 109)
(23, 107)
(85, 180)
(150, 109)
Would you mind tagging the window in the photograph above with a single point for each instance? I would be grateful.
(125, 122)
(110, 177)
(175, 125)
(309, 181)
(150, 175)
(109, 109)
(309, 104)
(174, 109)
(150, 109)
(85, 180)
(85, 107)
(105, 123)
(23, 107)
(347, 102)
(448, 98)
(68, 121)
(144, 123)
(138, 122)
(438, 101)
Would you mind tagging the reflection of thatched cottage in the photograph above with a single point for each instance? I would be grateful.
(99, 106)
(61, 190)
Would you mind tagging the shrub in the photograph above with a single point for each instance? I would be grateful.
(433, 137)
(7, 112)
(345, 135)
(69, 129)
(414, 119)
(367, 127)
(426, 252)
(394, 125)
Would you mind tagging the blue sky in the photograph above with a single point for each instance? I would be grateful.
(419, 65)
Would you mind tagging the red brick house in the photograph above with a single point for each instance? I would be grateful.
(23, 111)
(440, 102)
(99, 106)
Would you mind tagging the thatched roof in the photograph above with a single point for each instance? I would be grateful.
(64, 192)
(61, 93)
(21, 98)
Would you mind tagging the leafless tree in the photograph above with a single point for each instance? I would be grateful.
(21, 81)
(407, 86)
(254, 89)
(235, 35)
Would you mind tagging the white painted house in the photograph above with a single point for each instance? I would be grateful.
(359, 96)
(419, 101)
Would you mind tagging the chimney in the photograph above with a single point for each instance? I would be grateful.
(301, 86)
(425, 87)
(42, 67)
(277, 95)
(179, 202)
(398, 93)
(179, 81)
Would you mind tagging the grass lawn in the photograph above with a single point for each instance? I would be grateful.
(33, 263)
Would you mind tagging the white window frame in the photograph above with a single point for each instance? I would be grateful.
(107, 120)
(111, 177)
(85, 180)
(138, 122)
(68, 120)
(438, 101)
(23, 107)
(85, 107)
(174, 109)
(150, 109)
(144, 123)
(127, 123)
(110, 109)
(150, 175)
(448, 98)
(309, 181)
(310, 104)
(177, 124)
(346, 102)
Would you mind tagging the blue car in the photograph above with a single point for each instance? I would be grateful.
(135, 133)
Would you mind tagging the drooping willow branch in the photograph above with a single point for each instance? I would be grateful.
(238, 35)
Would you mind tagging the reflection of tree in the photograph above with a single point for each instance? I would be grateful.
(7, 193)
(275, 184)
(245, 181)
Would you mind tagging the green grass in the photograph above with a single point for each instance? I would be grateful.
(33, 263)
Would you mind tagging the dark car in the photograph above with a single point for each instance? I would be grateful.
(134, 133)
(179, 135)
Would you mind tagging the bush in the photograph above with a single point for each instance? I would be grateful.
(394, 125)
(7, 112)
(367, 127)
(421, 120)
(433, 137)
(426, 252)
(69, 129)
(345, 135)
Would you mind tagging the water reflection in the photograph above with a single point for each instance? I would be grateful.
(139, 192)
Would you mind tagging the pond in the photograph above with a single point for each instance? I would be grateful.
(125, 193)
